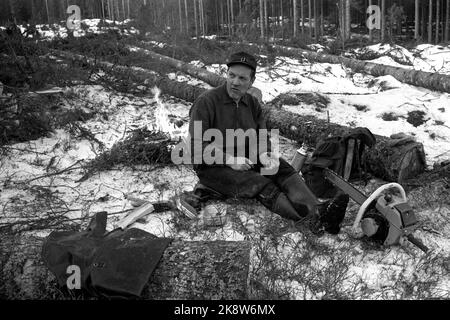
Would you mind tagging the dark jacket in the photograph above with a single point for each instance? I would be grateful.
(215, 109)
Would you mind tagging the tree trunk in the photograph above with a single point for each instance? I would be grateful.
(103, 10)
(321, 19)
(436, 40)
(186, 14)
(302, 13)
(341, 14)
(416, 20)
(202, 15)
(399, 162)
(117, 9)
(281, 19)
(232, 17)
(309, 18)
(429, 80)
(48, 12)
(430, 21)
(195, 19)
(261, 18)
(383, 20)
(447, 21)
(266, 18)
(347, 20)
(187, 270)
(316, 29)
(207, 270)
(294, 8)
(370, 29)
(180, 16)
(199, 73)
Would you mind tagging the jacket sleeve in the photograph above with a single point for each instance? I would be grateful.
(201, 119)
(263, 133)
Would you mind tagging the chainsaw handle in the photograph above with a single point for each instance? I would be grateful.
(417, 243)
(375, 195)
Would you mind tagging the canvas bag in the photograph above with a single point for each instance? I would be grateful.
(331, 153)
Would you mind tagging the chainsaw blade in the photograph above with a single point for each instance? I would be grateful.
(345, 186)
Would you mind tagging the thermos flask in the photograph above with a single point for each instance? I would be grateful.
(300, 157)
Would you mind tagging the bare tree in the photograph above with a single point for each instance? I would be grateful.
(261, 18)
(202, 18)
(180, 16)
(436, 40)
(416, 19)
(48, 14)
(232, 16)
(316, 25)
(266, 18)
(383, 19)
(347, 19)
(195, 18)
(321, 18)
(118, 9)
(309, 18)
(430, 21)
(295, 17)
(186, 14)
(447, 18)
(302, 14)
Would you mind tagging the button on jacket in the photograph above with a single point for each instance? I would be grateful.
(215, 109)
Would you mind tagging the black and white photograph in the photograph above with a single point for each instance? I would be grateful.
(226, 154)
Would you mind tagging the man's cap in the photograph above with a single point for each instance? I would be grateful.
(242, 58)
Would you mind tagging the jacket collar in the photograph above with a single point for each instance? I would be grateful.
(227, 99)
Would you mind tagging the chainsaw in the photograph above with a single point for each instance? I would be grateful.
(382, 216)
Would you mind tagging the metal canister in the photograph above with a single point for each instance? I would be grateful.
(300, 157)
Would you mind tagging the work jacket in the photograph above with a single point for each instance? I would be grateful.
(247, 132)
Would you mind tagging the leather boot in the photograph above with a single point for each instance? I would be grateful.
(276, 201)
(301, 197)
(332, 212)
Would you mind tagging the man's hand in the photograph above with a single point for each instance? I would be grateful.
(271, 163)
(239, 163)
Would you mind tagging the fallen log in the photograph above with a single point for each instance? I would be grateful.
(187, 270)
(387, 160)
(429, 80)
(199, 73)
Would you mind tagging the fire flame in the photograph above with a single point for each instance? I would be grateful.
(162, 121)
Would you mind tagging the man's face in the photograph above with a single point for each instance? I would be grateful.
(239, 80)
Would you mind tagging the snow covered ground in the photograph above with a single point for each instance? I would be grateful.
(361, 270)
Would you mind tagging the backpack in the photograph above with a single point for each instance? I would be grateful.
(331, 153)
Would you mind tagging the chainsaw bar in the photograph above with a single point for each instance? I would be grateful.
(345, 186)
